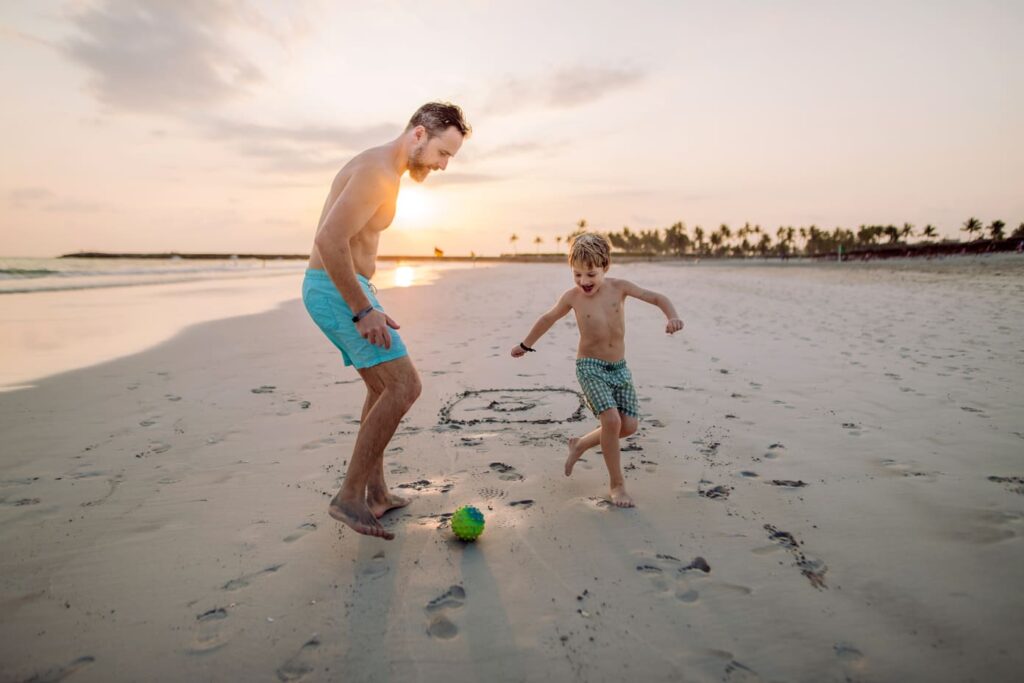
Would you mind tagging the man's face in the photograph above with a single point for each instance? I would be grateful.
(588, 278)
(432, 153)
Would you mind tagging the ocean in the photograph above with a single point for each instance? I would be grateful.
(58, 315)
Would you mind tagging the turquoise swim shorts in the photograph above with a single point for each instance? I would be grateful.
(607, 385)
(334, 318)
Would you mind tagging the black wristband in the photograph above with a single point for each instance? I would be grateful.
(362, 314)
(524, 347)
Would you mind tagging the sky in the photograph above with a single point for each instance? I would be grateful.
(218, 125)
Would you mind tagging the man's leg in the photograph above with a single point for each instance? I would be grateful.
(397, 386)
(379, 497)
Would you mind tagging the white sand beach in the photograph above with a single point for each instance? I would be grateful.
(829, 475)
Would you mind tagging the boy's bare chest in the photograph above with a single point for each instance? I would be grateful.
(599, 315)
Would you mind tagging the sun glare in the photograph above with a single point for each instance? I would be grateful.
(414, 208)
(405, 276)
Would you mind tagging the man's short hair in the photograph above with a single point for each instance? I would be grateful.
(437, 117)
(590, 249)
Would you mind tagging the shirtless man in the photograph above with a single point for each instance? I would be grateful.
(342, 302)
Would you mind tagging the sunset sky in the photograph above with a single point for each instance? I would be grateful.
(217, 125)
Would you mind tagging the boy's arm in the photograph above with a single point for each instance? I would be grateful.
(543, 324)
(655, 299)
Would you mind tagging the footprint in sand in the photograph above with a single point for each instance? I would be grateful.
(1013, 484)
(490, 493)
(246, 579)
(899, 469)
(720, 492)
(812, 568)
(59, 673)
(302, 663)
(788, 483)
(526, 503)
(376, 567)
(209, 632)
(506, 472)
(440, 626)
(304, 529)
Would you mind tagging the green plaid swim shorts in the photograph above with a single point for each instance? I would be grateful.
(607, 385)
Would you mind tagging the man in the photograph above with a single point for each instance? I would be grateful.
(342, 302)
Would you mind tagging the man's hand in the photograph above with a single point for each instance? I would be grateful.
(674, 325)
(374, 328)
(517, 351)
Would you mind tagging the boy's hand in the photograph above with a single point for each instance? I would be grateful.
(517, 351)
(674, 325)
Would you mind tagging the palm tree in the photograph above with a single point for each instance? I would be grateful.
(971, 226)
(907, 231)
(698, 236)
(581, 226)
(893, 233)
(996, 229)
(1019, 232)
(513, 239)
(558, 241)
(537, 240)
(929, 231)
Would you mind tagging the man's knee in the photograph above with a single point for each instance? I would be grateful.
(412, 389)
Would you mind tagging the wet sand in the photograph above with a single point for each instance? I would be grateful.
(828, 475)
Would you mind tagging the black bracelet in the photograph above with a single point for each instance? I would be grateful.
(524, 347)
(362, 314)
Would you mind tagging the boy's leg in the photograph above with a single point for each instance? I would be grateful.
(581, 444)
(611, 425)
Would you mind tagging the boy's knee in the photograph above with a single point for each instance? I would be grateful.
(629, 425)
(611, 419)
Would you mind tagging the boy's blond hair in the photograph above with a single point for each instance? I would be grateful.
(590, 249)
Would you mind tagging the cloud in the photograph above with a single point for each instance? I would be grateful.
(441, 179)
(344, 137)
(568, 87)
(23, 197)
(156, 56)
(46, 200)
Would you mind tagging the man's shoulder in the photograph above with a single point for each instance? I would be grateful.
(369, 169)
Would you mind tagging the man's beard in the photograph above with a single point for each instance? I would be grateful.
(417, 170)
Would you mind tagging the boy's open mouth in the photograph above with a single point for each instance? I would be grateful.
(587, 288)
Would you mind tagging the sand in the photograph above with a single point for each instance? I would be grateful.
(828, 478)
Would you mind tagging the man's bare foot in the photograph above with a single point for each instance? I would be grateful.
(359, 517)
(381, 505)
(574, 455)
(620, 498)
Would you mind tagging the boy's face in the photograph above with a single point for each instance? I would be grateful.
(588, 278)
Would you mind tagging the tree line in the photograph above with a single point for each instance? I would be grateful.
(752, 240)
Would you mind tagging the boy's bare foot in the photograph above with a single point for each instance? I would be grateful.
(574, 455)
(381, 505)
(359, 517)
(620, 498)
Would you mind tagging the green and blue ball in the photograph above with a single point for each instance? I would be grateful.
(468, 523)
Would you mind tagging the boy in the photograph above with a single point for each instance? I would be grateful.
(598, 302)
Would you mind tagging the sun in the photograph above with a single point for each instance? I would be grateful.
(414, 208)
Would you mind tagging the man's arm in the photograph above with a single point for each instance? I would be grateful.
(655, 299)
(352, 210)
(544, 323)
